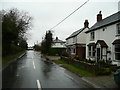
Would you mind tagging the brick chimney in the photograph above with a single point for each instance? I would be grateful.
(99, 17)
(56, 38)
(86, 24)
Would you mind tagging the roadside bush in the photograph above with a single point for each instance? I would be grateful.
(91, 66)
(82, 59)
(57, 51)
(15, 49)
(114, 67)
(64, 53)
(90, 61)
(103, 71)
(77, 57)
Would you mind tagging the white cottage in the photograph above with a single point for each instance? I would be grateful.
(57, 43)
(76, 42)
(103, 39)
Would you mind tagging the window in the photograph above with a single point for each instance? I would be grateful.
(91, 50)
(118, 29)
(117, 51)
(92, 36)
(73, 51)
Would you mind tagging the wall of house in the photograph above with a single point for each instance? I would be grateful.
(81, 37)
(108, 34)
(58, 45)
(69, 41)
(80, 52)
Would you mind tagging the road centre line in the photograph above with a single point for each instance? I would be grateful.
(38, 85)
(33, 65)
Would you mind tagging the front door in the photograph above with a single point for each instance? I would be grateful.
(98, 54)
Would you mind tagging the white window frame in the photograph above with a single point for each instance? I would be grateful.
(116, 52)
(118, 29)
(92, 36)
(91, 51)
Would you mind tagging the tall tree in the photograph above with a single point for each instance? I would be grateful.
(47, 42)
(14, 26)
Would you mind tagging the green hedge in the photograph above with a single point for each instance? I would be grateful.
(56, 51)
(90, 67)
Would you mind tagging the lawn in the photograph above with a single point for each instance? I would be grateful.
(78, 70)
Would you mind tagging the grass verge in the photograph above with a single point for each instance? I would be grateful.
(7, 59)
(78, 70)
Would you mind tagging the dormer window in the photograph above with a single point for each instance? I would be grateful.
(118, 29)
(92, 36)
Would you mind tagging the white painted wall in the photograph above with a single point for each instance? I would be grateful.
(58, 45)
(108, 35)
(80, 38)
(69, 41)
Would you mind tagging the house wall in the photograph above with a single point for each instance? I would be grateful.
(69, 41)
(81, 52)
(108, 35)
(81, 37)
(58, 45)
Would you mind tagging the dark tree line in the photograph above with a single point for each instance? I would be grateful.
(46, 43)
(14, 26)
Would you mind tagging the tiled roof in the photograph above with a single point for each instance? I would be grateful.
(58, 41)
(91, 44)
(107, 21)
(117, 41)
(102, 43)
(75, 33)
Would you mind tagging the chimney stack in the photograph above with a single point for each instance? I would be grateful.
(56, 38)
(99, 17)
(86, 24)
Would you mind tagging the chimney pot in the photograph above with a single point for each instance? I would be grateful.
(86, 24)
(56, 38)
(99, 16)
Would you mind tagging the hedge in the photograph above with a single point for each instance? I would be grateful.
(90, 67)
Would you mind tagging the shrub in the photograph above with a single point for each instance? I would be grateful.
(114, 67)
(101, 61)
(64, 53)
(77, 57)
(103, 71)
(90, 61)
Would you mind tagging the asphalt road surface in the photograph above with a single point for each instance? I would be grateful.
(35, 71)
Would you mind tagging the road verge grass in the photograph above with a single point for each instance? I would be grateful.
(78, 70)
(7, 59)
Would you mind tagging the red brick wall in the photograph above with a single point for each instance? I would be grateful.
(80, 51)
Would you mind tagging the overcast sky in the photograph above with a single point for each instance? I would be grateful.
(47, 13)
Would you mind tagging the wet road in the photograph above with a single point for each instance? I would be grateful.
(34, 71)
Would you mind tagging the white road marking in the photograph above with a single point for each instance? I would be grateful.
(38, 85)
(69, 76)
(33, 65)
